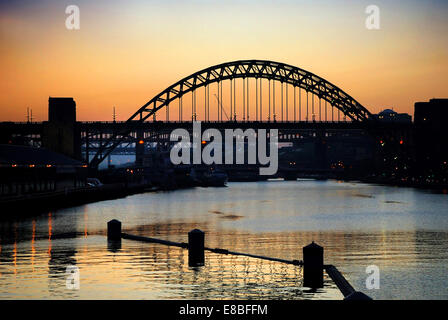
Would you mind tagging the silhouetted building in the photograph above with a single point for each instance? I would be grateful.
(431, 132)
(432, 113)
(60, 133)
(61, 110)
(389, 115)
(25, 170)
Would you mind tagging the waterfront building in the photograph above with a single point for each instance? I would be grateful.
(430, 136)
(389, 115)
(61, 133)
(28, 170)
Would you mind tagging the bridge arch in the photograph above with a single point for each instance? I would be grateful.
(262, 69)
(258, 69)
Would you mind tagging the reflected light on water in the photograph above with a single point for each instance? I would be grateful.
(33, 245)
(50, 229)
(357, 224)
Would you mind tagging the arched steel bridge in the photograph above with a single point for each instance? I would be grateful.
(243, 69)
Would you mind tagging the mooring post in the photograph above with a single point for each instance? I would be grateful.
(313, 266)
(114, 230)
(196, 255)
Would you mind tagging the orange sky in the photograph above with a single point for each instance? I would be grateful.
(128, 51)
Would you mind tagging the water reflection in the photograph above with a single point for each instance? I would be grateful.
(50, 228)
(113, 245)
(165, 272)
(33, 244)
(402, 231)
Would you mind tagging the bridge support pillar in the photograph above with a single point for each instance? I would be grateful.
(321, 151)
(87, 146)
(139, 148)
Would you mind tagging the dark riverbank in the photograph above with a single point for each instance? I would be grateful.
(32, 204)
(430, 186)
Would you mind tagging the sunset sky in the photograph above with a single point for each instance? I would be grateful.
(127, 51)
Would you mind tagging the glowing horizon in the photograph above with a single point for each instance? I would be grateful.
(126, 52)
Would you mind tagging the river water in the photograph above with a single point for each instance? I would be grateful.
(402, 231)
